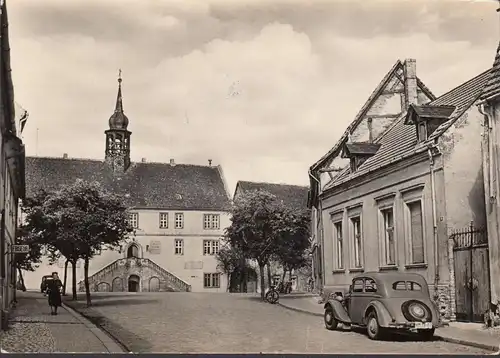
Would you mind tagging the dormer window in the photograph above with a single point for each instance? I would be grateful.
(427, 118)
(358, 153)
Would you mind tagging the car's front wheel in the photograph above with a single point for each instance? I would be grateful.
(427, 335)
(330, 322)
(373, 328)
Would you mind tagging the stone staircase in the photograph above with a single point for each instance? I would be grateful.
(150, 277)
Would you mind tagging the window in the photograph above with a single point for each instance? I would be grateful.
(179, 247)
(357, 241)
(406, 286)
(211, 280)
(339, 245)
(163, 220)
(210, 247)
(370, 285)
(416, 239)
(211, 221)
(422, 131)
(133, 219)
(132, 251)
(357, 285)
(179, 220)
(389, 246)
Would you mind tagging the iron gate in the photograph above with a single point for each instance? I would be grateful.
(472, 286)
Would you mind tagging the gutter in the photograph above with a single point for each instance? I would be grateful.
(434, 216)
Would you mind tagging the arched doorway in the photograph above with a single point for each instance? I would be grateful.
(154, 284)
(116, 285)
(103, 287)
(133, 283)
(133, 251)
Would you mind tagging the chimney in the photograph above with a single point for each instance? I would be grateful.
(172, 162)
(143, 160)
(370, 130)
(410, 76)
(65, 156)
(210, 162)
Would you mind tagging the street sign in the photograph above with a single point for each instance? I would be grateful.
(20, 249)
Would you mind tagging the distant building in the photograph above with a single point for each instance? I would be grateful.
(178, 211)
(293, 196)
(11, 175)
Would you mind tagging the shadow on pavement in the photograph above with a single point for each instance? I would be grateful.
(128, 340)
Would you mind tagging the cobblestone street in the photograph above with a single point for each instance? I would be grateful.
(33, 330)
(223, 323)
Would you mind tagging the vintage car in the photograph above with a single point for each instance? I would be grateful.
(383, 302)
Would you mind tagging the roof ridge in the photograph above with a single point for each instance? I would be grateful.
(269, 183)
(460, 85)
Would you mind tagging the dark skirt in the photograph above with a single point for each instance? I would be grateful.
(54, 298)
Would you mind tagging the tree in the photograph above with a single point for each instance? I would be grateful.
(232, 262)
(78, 221)
(253, 226)
(292, 228)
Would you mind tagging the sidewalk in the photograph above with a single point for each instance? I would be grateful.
(33, 330)
(468, 334)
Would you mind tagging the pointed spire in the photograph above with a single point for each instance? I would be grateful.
(119, 99)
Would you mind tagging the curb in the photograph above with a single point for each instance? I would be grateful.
(108, 342)
(462, 342)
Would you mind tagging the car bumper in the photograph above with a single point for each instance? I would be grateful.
(412, 326)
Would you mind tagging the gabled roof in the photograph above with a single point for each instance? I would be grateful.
(144, 185)
(492, 88)
(399, 141)
(294, 196)
(429, 111)
(359, 116)
(360, 148)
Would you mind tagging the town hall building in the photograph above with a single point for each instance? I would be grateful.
(178, 212)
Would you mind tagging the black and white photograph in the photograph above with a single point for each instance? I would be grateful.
(250, 177)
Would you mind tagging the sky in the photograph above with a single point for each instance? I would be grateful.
(262, 87)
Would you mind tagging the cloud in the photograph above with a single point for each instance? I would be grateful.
(263, 88)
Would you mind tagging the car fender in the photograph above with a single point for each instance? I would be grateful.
(339, 311)
(383, 315)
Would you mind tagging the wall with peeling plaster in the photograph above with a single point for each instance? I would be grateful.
(460, 146)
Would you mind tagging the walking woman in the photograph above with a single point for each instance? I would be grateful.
(54, 292)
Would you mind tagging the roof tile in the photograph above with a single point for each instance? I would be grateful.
(400, 140)
(144, 185)
(292, 195)
(492, 88)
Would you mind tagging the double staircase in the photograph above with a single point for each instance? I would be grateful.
(134, 274)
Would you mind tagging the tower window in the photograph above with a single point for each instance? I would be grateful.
(422, 131)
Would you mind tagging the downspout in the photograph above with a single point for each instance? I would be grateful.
(320, 224)
(486, 115)
(434, 217)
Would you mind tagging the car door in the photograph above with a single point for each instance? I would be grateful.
(356, 300)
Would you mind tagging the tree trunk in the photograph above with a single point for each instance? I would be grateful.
(21, 279)
(284, 274)
(269, 276)
(228, 286)
(65, 280)
(262, 282)
(73, 279)
(86, 279)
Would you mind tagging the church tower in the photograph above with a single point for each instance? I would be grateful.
(117, 153)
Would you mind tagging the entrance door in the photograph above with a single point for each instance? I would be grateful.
(133, 283)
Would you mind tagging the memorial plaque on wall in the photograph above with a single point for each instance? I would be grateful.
(154, 247)
(193, 265)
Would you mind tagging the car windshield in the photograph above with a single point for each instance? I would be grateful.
(406, 286)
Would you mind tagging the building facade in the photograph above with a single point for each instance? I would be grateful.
(384, 106)
(398, 201)
(489, 106)
(11, 175)
(178, 212)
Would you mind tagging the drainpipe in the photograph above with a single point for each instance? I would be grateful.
(320, 232)
(486, 115)
(434, 217)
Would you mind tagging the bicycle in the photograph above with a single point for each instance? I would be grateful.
(272, 296)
